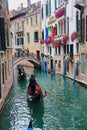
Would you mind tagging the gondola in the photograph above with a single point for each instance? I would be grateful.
(38, 96)
(21, 73)
(22, 76)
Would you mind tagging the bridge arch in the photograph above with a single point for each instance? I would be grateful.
(36, 63)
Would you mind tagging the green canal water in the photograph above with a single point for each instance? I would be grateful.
(64, 108)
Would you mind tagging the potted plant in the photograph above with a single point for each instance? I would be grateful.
(42, 55)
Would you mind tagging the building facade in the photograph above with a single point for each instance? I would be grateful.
(63, 33)
(17, 30)
(6, 76)
(26, 29)
(32, 27)
(81, 5)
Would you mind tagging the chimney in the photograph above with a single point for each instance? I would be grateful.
(22, 6)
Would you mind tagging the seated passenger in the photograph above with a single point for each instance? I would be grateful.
(32, 84)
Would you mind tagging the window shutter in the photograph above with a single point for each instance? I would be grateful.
(86, 27)
(35, 36)
(2, 35)
(42, 12)
(79, 30)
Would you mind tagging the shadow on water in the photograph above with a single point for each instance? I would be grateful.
(37, 112)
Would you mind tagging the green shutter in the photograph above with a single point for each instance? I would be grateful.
(2, 35)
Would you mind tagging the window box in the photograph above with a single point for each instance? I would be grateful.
(60, 12)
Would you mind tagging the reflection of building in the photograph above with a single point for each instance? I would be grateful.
(5, 53)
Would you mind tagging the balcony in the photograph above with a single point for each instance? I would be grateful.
(79, 4)
(20, 29)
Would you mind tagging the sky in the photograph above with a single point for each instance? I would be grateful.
(13, 4)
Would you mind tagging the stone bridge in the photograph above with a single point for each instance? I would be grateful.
(32, 58)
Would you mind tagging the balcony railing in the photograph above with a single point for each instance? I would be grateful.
(20, 29)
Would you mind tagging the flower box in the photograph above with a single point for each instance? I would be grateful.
(56, 43)
(60, 12)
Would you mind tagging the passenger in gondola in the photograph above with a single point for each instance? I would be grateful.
(19, 71)
(32, 84)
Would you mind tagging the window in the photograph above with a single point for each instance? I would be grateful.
(17, 26)
(36, 19)
(27, 20)
(71, 51)
(31, 21)
(43, 34)
(47, 8)
(56, 28)
(28, 38)
(59, 50)
(17, 41)
(23, 25)
(3, 78)
(56, 51)
(42, 11)
(86, 28)
(64, 48)
(67, 25)
(35, 36)
(22, 41)
(55, 4)
(77, 48)
(2, 34)
(7, 37)
(82, 63)
(77, 21)
(67, 49)
(50, 50)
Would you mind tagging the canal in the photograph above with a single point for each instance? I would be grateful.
(64, 107)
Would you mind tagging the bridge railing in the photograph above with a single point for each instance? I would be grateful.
(25, 55)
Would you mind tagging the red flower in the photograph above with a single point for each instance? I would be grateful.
(74, 36)
(41, 41)
(60, 12)
(65, 38)
(56, 43)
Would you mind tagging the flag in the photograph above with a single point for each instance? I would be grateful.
(53, 31)
(46, 37)
(49, 31)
